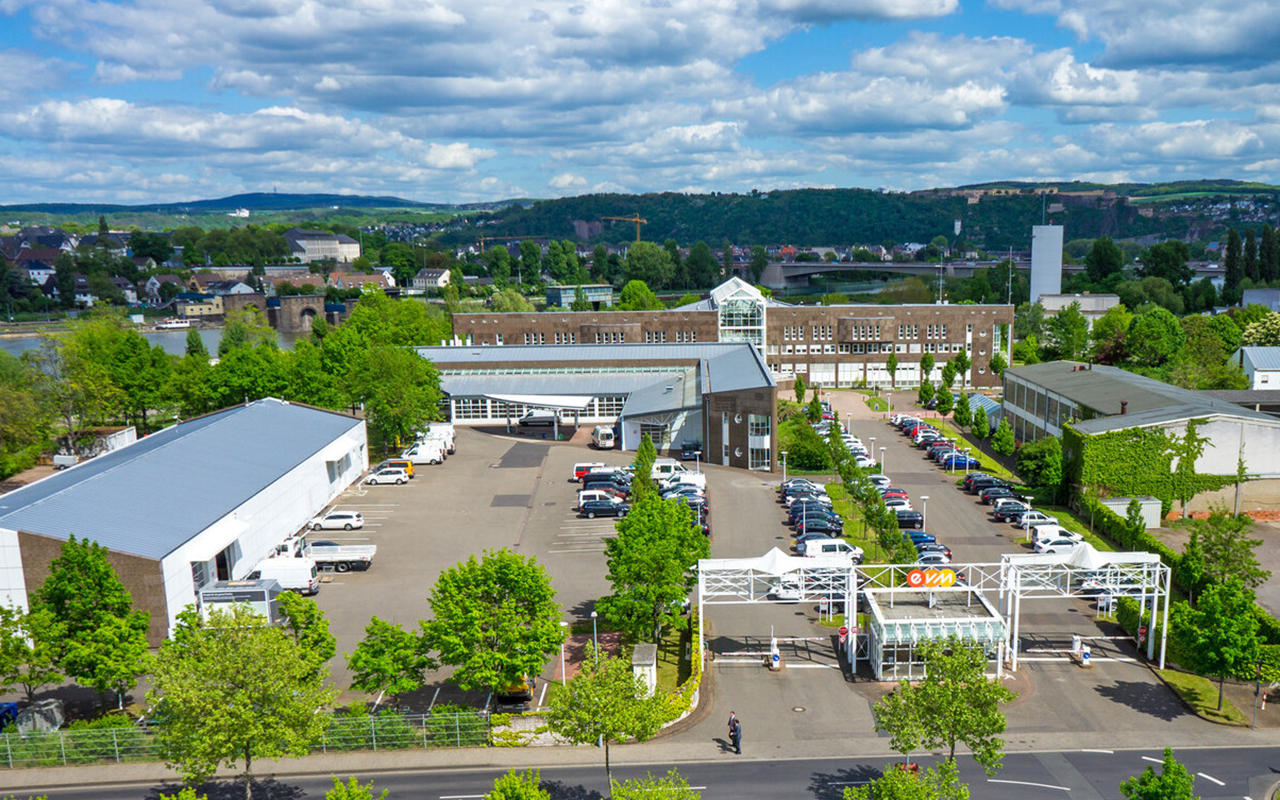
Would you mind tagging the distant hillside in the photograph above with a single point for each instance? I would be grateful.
(993, 216)
(256, 201)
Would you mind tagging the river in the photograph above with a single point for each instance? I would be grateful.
(174, 342)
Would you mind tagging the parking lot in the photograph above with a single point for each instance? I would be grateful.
(507, 491)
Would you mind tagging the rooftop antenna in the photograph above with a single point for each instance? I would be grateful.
(1044, 193)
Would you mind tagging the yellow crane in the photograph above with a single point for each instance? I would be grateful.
(636, 218)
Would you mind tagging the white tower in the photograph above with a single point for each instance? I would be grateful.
(1046, 261)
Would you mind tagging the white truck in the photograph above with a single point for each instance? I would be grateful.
(329, 555)
(428, 451)
(438, 433)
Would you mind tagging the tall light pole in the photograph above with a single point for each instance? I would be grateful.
(563, 624)
(872, 451)
(595, 639)
(697, 454)
(966, 461)
(883, 471)
(924, 512)
(784, 466)
(849, 424)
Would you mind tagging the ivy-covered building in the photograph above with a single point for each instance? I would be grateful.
(1126, 434)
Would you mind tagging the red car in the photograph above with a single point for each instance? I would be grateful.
(895, 493)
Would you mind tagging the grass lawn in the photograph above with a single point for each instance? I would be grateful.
(849, 511)
(876, 403)
(1202, 695)
(989, 465)
(1068, 520)
(673, 668)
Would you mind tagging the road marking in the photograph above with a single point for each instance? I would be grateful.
(1211, 778)
(543, 695)
(812, 666)
(1028, 783)
(579, 550)
(1108, 752)
(1153, 760)
(460, 796)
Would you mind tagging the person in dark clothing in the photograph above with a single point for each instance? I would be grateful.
(735, 735)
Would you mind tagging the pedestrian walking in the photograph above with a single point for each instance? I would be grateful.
(733, 717)
(735, 735)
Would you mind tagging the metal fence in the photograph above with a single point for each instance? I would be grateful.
(387, 731)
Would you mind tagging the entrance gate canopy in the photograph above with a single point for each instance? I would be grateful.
(564, 402)
(755, 580)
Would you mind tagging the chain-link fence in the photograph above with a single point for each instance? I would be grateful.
(386, 731)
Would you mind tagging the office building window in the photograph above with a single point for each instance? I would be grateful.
(759, 458)
(758, 425)
(470, 408)
(497, 338)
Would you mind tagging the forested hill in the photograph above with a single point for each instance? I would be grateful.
(993, 217)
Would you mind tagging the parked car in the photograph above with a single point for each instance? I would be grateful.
(690, 449)
(864, 462)
(890, 492)
(803, 514)
(813, 497)
(1007, 512)
(1061, 544)
(338, 520)
(910, 519)
(602, 508)
(918, 537)
(1033, 518)
(810, 535)
(388, 475)
(933, 558)
(985, 483)
(991, 493)
(898, 503)
(933, 547)
(959, 461)
(973, 476)
(820, 524)
(879, 479)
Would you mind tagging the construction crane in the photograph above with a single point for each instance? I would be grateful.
(636, 218)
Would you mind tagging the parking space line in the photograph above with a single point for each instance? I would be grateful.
(1152, 760)
(1210, 778)
(1029, 783)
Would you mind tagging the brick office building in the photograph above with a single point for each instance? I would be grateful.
(833, 346)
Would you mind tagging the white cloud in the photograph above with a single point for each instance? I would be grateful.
(567, 182)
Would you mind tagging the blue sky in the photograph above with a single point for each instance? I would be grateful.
(465, 100)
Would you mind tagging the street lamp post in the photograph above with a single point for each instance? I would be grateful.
(924, 512)
(872, 451)
(595, 639)
(966, 461)
(697, 454)
(849, 424)
(563, 624)
(784, 466)
(882, 467)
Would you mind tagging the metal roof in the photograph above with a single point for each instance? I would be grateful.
(1258, 357)
(604, 354)
(149, 498)
(673, 393)
(592, 384)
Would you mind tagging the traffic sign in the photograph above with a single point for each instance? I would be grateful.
(1142, 633)
(844, 634)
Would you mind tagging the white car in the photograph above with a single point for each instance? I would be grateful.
(879, 479)
(933, 557)
(1033, 519)
(864, 462)
(786, 590)
(1060, 544)
(388, 475)
(898, 504)
(338, 520)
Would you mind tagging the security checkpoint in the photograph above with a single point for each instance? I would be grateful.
(906, 604)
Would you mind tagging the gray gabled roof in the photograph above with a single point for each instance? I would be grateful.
(1264, 358)
(149, 498)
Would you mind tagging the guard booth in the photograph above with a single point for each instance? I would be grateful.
(263, 596)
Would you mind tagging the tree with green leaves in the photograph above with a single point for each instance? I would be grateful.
(649, 263)
(514, 785)
(891, 364)
(896, 783)
(1039, 463)
(606, 702)
(235, 688)
(498, 261)
(758, 262)
(580, 302)
(671, 786)
(1233, 267)
(1068, 333)
(1110, 335)
(1002, 440)
(388, 660)
(111, 656)
(651, 566)
(1104, 262)
(1220, 633)
(814, 410)
(963, 412)
(1168, 260)
(30, 645)
(353, 790)
(926, 367)
(302, 618)
(701, 266)
(1187, 449)
(1133, 515)
(801, 389)
(925, 393)
(727, 264)
(981, 426)
(948, 374)
(999, 364)
(808, 451)
(946, 400)
(1264, 332)
(1228, 550)
(495, 620)
(642, 479)
(954, 704)
(1249, 255)
(195, 345)
(83, 590)
(1173, 783)
(637, 296)
(960, 364)
(400, 390)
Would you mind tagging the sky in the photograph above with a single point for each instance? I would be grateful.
(455, 101)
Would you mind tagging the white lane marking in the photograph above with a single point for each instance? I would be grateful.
(1108, 752)
(1153, 760)
(460, 796)
(811, 666)
(1028, 783)
(1211, 778)
(543, 695)
(579, 550)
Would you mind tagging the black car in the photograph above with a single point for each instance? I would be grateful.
(990, 494)
(933, 547)
(1008, 512)
(592, 482)
(819, 525)
(910, 519)
(973, 476)
(936, 453)
(603, 508)
(811, 512)
(985, 483)
(690, 450)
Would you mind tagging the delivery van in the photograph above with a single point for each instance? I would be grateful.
(664, 467)
(602, 437)
(598, 494)
(676, 479)
(831, 547)
(430, 451)
(295, 574)
(582, 468)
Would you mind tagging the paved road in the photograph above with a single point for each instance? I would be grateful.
(1222, 774)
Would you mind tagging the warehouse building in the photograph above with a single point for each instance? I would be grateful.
(832, 346)
(201, 501)
(719, 394)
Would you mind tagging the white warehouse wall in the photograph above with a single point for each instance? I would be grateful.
(271, 516)
(13, 586)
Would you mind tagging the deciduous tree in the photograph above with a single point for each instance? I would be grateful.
(1168, 260)
(1002, 440)
(758, 263)
(1068, 333)
(235, 689)
(963, 412)
(896, 783)
(514, 785)
(1228, 550)
(1220, 633)
(1155, 337)
(801, 388)
(650, 566)
(30, 644)
(891, 364)
(388, 659)
(671, 786)
(1263, 333)
(946, 400)
(642, 480)
(981, 426)
(580, 301)
(1173, 783)
(400, 390)
(648, 262)
(605, 702)
(111, 656)
(306, 623)
(353, 790)
(1040, 462)
(1104, 261)
(637, 296)
(495, 620)
(1110, 335)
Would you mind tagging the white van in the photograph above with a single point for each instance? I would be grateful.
(675, 479)
(831, 547)
(430, 451)
(296, 574)
(582, 468)
(602, 437)
(444, 437)
(1048, 533)
(663, 467)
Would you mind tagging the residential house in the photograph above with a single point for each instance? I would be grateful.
(1261, 365)
(37, 271)
(194, 304)
(151, 286)
(430, 279)
(127, 289)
